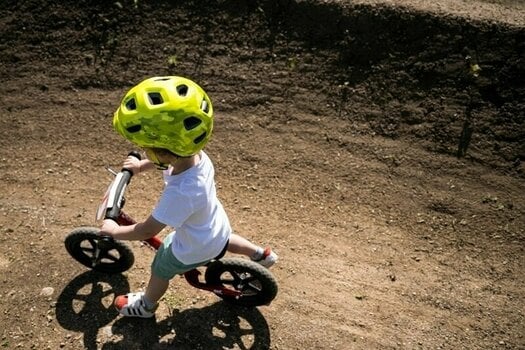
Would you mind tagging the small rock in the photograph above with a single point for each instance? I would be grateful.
(47, 291)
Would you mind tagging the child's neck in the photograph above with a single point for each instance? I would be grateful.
(183, 164)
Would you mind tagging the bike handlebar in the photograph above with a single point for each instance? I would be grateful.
(116, 193)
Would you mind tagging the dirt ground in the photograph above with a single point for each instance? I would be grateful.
(377, 146)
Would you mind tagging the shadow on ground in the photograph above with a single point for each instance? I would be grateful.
(85, 305)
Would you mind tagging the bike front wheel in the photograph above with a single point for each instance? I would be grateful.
(256, 284)
(100, 253)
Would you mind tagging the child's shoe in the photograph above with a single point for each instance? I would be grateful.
(268, 258)
(133, 305)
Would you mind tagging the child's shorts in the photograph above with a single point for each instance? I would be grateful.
(165, 265)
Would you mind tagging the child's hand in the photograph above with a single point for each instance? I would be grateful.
(108, 228)
(133, 164)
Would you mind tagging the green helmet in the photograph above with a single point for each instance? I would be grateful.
(169, 112)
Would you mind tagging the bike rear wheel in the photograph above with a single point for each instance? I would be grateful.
(256, 283)
(100, 253)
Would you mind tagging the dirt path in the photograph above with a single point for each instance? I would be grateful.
(346, 166)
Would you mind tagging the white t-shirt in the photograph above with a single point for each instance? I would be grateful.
(190, 205)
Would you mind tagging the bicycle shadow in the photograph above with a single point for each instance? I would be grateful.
(86, 305)
(217, 326)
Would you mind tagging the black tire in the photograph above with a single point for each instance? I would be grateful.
(257, 284)
(114, 256)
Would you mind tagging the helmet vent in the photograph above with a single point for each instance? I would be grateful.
(131, 105)
(134, 129)
(200, 138)
(191, 123)
(205, 107)
(182, 90)
(155, 98)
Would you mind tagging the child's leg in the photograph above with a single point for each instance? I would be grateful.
(240, 245)
(156, 288)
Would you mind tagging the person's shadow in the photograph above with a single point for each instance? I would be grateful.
(85, 305)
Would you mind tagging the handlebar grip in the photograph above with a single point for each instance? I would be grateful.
(132, 154)
(135, 154)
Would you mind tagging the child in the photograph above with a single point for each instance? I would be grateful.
(171, 118)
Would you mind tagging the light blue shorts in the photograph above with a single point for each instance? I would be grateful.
(165, 265)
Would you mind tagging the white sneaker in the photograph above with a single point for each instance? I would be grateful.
(133, 305)
(268, 258)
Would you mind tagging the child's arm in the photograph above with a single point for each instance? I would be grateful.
(138, 166)
(136, 232)
(146, 164)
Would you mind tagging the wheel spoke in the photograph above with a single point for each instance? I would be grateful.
(108, 292)
(254, 287)
(108, 255)
(237, 276)
(82, 297)
(111, 257)
(228, 282)
(93, 242)
(87, 250)
(248, 279)
(105, 254)
(244, 331)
